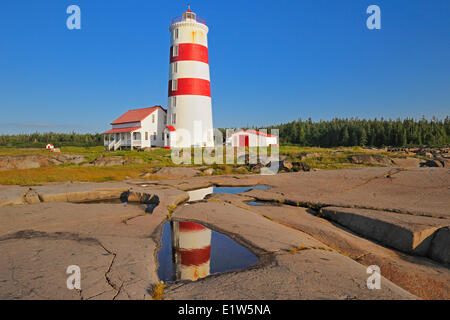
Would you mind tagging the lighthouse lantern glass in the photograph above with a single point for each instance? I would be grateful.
(189, 16)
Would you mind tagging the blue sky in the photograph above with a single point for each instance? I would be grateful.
(270, 61)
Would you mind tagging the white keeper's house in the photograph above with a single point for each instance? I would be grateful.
(137, 128)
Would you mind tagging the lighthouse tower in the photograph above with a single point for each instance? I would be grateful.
(189, 121)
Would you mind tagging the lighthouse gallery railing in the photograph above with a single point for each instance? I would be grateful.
(184, 18)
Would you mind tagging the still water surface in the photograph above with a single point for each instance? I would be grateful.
(190, 251)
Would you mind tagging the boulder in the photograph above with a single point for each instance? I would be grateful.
(300, 166)
(208, 171)
(440, 246)
(31, 196)
(256, 168)
(287, 165)
(436, 163)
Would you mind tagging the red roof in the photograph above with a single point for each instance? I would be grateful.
(171, 128)
(118, 130)
(259, 133)
(136, 115)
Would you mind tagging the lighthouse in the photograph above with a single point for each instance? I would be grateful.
(189, 116)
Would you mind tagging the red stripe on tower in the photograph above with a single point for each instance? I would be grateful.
(190, 51)
(190, 86)
(195, 257)
(190, 226)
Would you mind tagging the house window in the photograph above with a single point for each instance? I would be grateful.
(163, 136)
(146, 135)
(176, 33)
(153, 118)
(175, 51)
(174, 118)
(175, 67)
(174, 101)
(174, 85)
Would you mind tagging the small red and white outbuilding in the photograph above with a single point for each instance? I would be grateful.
(251, 138)
(49, 146)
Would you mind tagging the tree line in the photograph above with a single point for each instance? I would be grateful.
(40, 140)
(333, 133)
(356, 132)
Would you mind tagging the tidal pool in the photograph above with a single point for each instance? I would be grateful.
(190, 251)
(264, 203)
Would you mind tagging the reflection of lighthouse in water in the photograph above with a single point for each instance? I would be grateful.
(191, 250)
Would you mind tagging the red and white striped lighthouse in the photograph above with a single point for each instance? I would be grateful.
(191, 248)
(189, 120)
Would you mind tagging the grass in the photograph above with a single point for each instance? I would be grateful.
(171, 209)
(298, 248)
(92, 153)
(321, 158)
(301, 248)
(332, 158)
(30, 177)
(66, 172)
(158, 291)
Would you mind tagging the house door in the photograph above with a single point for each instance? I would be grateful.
(243, 141)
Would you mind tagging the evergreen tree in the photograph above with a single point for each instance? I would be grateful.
(363, 139)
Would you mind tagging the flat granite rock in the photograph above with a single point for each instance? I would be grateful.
(80, 191)
(113, 245)
(421, 191)
(12, 195)
(419, 275)
(301, 254)
(33, 266)
(316, 272)
(308, 274)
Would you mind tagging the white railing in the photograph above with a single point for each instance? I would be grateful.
(111, 145)
(117, 145)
